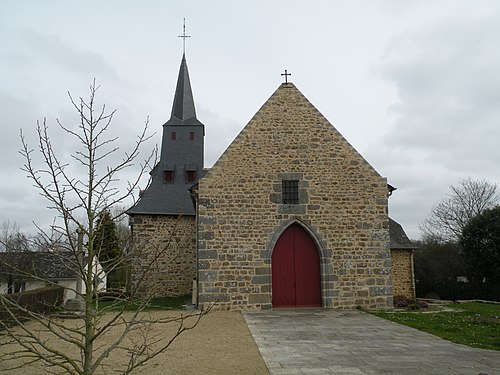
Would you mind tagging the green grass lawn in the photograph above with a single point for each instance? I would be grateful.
(474, 326)
(158, 303)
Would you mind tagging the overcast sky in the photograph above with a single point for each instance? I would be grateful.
(414, 86)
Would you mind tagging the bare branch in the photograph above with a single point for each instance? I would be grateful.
(77, 346)
(466, 200)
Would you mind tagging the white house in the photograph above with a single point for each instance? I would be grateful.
(27, 270)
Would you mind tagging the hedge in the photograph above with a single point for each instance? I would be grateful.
(42, 301)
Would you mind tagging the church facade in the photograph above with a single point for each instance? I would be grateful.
(291, 215)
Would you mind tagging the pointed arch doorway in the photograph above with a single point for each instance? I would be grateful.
(295, 266)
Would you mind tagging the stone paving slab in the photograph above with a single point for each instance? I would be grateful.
(319, 341)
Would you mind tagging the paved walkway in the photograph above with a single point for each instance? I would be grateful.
(351, 342)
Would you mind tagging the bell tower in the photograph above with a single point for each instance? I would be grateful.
(181, 159)
(163, 219)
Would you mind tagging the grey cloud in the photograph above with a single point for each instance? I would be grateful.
(448, 83)
(53, 50)
(447, 117)
(16, 113)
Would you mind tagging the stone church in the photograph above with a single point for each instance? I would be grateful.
(291, 215)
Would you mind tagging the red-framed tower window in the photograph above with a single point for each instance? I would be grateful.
(190, 176)
(168, 177)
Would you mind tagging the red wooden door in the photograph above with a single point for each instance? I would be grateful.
(296, 279)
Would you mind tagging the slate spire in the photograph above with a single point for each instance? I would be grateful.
(183, 107)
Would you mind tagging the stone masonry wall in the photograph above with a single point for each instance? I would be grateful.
(402, 273)
(165, 254)
(343, 206)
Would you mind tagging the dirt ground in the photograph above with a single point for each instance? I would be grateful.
(220, 344)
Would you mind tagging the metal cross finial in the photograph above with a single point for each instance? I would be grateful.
(286, 74)
(184, 36)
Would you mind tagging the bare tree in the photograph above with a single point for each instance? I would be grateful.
(12, 239)
(77, 346)
(466, 200)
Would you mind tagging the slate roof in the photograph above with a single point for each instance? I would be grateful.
(183, 107)
(45, 265)
(398, 237)
(163, 199)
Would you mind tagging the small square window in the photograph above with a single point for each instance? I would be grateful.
(173, 136)
(168, 177)
(290, 191)
(191, 136)
(190, 176)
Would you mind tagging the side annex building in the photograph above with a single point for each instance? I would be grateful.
(291, 215)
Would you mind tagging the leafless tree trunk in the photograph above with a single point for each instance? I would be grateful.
(78, 202)
(450, 216)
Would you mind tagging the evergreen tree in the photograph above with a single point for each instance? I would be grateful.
(481, 246)
(106, 240)
(108, 248)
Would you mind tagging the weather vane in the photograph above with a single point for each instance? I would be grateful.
(184, 36)
(286, 74)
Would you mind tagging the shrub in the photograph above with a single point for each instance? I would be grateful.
(40, 301)
(409, 303)
(423, 304)
(402, 301)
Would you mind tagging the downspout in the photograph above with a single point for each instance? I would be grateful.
(194, 196)
(196, 292)
(412, 266)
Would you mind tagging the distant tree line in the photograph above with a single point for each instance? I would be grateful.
(12, 239)
(459, 255)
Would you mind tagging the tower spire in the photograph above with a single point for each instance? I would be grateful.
(184, 36)
(183, 107)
